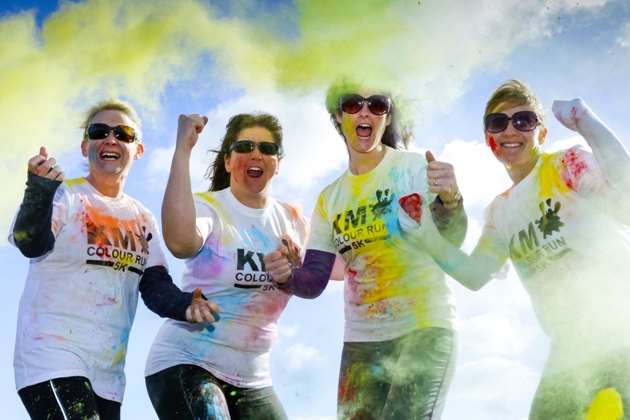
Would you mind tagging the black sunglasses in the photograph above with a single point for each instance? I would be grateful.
(522, 121)
(248, 146)
(100, 131)
(377, 104)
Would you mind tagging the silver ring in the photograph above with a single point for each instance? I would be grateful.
(435, 182)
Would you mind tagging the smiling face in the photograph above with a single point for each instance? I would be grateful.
(109, 157)
(364, 130)
(251, 173)
(517, 150)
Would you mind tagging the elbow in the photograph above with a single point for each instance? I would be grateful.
(180, 250)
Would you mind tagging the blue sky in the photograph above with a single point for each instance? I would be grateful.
(450, 61)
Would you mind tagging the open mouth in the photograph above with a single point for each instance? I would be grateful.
(255, 171)
(364, 130)
(511, 145)
(109, 156)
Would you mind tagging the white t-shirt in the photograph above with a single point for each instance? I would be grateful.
(391, 287)
(229, 269)
(567, 245)
(80, 299)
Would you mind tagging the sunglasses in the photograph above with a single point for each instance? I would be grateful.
(377, 104)
(522, 121)
(100, 131)
(248, 146)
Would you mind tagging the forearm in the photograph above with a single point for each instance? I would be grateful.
(310, 280)
(178, 209)
(32, 232)
(162, 296)
(471, 271)
(451, 223)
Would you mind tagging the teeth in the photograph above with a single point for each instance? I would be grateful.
(364, 125)
(510, 145)
(109, 156)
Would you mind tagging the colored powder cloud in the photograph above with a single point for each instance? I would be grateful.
(89, 50)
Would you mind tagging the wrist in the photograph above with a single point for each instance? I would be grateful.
(453, 202)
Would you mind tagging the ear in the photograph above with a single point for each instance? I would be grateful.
(227, 162)
(139, 151)
(542, 135)
(84, 148)
(338, 117)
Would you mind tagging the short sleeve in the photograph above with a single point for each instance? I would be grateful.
(321, 238)
(206, 217)
(581, 172)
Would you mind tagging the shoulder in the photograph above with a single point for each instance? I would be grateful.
(73, 185)
(141, 208)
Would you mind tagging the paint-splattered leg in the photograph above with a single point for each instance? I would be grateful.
(187, 392)
(67, 399)
(364, 380)
(421, 375)
(562, 394)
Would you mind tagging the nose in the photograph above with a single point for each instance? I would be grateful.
(110, 137)
(256, 152)
(364, 109)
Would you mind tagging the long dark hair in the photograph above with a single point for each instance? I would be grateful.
(394, 136)
(219, 177)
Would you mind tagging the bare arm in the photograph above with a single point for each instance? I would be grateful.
(608, 150)
(181, 235)
(472, 271)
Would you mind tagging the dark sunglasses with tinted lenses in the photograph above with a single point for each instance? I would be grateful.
(522, 121)
(248, 146)
(100, 131)
(377, 104)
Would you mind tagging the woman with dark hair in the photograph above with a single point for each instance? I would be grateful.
(399, 344)
(222, 370)
(92, 249)
(564, 225)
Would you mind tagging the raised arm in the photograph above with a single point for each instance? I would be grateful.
(181, 235)
(32, 233)
(608, 150)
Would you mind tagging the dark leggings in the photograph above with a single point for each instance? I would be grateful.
(186, 392)
(404, 378)
(67, 399)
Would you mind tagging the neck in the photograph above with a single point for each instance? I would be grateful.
(252, 200)
(110, 186)
(361, 163)
(518, 173)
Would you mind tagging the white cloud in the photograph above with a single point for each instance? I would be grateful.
(623, 40)
(299, 355)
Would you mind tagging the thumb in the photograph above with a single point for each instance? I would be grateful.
(43, 152)
(197, 294)
(430, 157)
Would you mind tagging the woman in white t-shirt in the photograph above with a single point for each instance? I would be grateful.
(399, 341)
(92, 249)
(564, 226)
(222, 370)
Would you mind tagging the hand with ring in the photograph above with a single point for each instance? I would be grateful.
(442, 181)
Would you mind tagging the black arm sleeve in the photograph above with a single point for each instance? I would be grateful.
(310, 280)
(452, 224)
(162, 296)
(32, 232)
